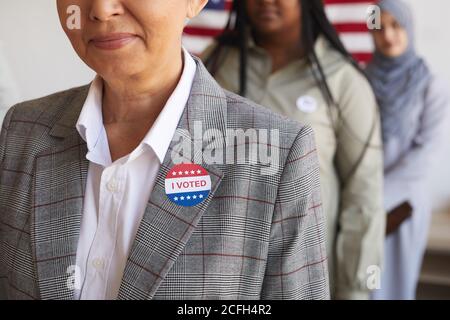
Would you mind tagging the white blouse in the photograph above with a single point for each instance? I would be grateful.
(117, 193)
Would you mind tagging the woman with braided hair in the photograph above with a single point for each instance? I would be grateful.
(286, 55)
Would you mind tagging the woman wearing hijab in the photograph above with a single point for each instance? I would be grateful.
(287, 56)
(413, 104)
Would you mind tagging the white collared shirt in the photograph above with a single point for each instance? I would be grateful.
(117, 193)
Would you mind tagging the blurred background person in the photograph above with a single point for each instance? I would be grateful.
(286, 55)
(8, 89)
(414, 104)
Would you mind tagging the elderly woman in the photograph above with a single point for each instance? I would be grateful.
(414, 105)
(87, 178)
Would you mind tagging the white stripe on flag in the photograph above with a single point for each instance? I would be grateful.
(196, 44)
(211, 19)
(348, 13)
(357, 41)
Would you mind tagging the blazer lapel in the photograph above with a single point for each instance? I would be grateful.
(166, 228)
(59, 187)
(59, 184)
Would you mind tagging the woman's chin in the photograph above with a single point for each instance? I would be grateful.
(393, 51)
(113, 50)
(117, 68)
(119, 62)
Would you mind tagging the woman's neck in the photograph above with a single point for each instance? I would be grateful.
(283, 49)
(132, 104)
(141, 98)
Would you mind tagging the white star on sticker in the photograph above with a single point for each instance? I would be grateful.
(199, 171)
(174, 173)
(200, 196)
(194, 197)
(188, 197)
(192, 172)
(186, 172)
(176, 198)
(182, 198)
(180, 173)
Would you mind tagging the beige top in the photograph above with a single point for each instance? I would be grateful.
(355, 209)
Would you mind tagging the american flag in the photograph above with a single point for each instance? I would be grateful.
(348, 16)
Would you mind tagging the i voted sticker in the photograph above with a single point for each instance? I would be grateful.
(188, 185)
(307, 104)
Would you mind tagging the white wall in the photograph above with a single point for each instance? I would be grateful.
(43, 61)
(433, 42)
(41, 57)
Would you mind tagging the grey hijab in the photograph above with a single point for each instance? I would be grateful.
(399, 83)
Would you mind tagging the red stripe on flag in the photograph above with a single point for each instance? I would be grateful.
(202, 32)
(327, 2)
(351, 27)
(363, 57)
(228, 5)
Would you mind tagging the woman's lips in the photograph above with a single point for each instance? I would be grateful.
(267, 13)
(113, 41)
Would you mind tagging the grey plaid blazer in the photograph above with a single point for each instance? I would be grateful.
(255, 237)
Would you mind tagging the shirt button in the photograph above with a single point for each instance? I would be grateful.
(97, 263)
(112, 185)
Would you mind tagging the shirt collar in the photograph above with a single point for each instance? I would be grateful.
(161, 133)
(90, 122)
